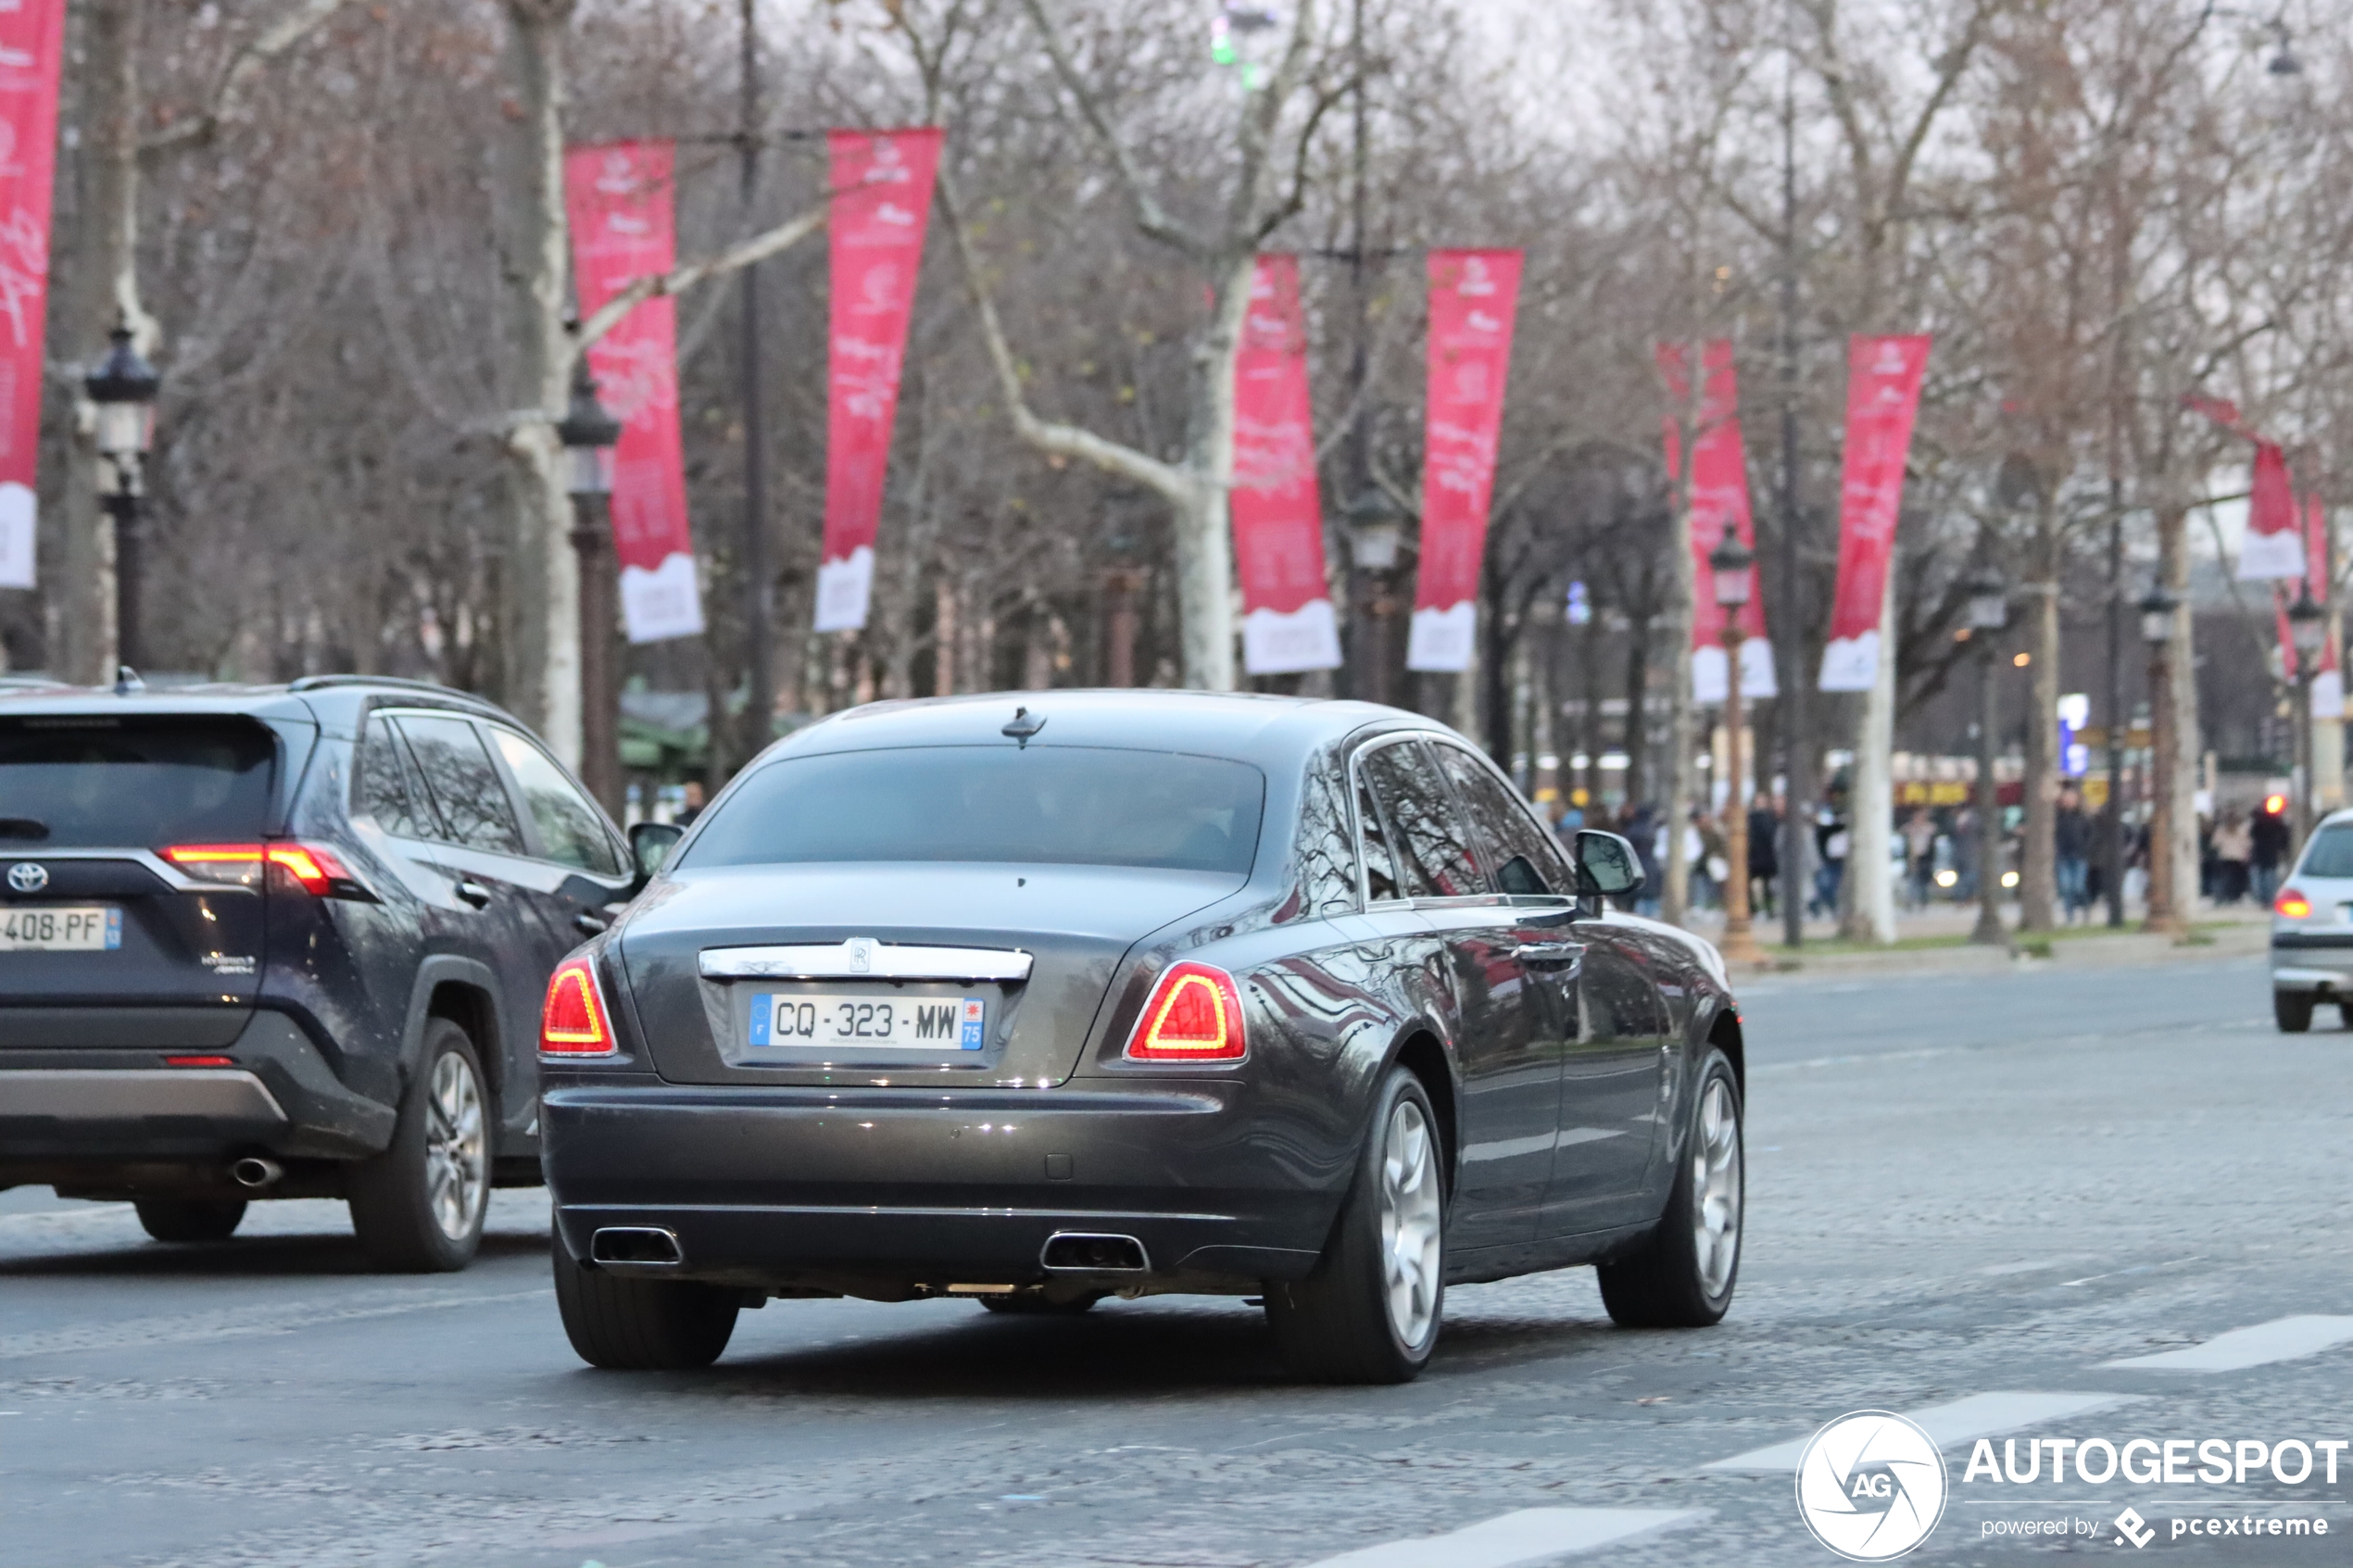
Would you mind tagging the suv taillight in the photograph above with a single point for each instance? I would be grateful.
(1194, 1015)
(574, 1021)
(306, 866)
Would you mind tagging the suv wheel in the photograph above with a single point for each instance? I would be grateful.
(419, 1205)
(2291, 1011)
(1682, 1277)
(190, 1218)
(642, 1324)
(1370, 1311)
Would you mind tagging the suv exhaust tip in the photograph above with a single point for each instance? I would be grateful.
(254, 1171)
(1088, 1253)
(644, 1247)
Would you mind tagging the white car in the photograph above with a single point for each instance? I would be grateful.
(2312, 929)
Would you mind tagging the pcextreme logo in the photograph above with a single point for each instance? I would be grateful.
(1871, 1486)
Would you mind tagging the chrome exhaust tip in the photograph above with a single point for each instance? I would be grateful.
(1086, 1252)
(254, 1171)
(645, 1247)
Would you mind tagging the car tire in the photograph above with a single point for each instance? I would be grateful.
(418, 1206)
(1370, 1311)
(1682, 1276)
(2291, 1011)
(642, 1324)
(190, 1218)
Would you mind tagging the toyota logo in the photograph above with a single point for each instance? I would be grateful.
(26, 876)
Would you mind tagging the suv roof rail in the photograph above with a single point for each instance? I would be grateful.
(315, 683)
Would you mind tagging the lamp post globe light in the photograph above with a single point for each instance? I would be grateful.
(1375, 536)
(121, 389)
(2168, 907)
(1989, 612)
(1732, 570)
(589, 433)
(2308, 628)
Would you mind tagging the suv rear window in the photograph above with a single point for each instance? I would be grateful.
(1073, 806)
(104, 783)
(2331, 855)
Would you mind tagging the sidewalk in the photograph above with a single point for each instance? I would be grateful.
(1935, 940)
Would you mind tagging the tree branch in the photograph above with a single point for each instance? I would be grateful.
(1049, 436)
(679, 279)
(300, 21)
(1150, 215)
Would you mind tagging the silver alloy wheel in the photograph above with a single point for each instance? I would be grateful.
(1412, 1213)
(456, 1162)
(1716, 1188)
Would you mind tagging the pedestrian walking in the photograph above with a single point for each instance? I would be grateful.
(2233, 850)
(1712, 870)
(1920, 854)
(2267, 838)
(2072, 850)
(1763, 853)
(1830, 843)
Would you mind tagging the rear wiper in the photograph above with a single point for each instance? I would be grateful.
(22, 827)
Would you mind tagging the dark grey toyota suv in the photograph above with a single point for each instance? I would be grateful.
(1039, 998)
(284, 942)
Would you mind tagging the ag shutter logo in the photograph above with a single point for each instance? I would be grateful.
(1871, 1486)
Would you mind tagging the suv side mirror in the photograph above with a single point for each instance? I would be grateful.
(649, 847)
(1607, 865)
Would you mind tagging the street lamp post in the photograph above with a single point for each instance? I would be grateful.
(1989, 612)
(2308, 627)
(2169, 906)
(1375, 531)
(123, 389)
(1733, 567)
(588, 432)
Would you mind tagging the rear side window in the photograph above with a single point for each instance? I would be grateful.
(383, 789)
(103, 782)
(1044, 805)
(571, 831)
(2331, 855)
(466, 790)
(1380, 866)
(1433, 842)
(1526, 858)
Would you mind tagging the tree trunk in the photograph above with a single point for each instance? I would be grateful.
(1203, 533)
(2174, 837)
(100, 278)
(2038, 867)
(1637, 739)
(543, 644)
(1869, 897)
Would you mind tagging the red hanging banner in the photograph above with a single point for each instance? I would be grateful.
(1718, 501)
(2328, 683)
(1882, 394)
(1278, 506)
(2273, 548)
(882, 183)
(1473, 294)
(31, 44)
(619, 200)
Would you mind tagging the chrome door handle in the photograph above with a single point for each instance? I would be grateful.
(586, 925)
(1543, 955)
(473, 892)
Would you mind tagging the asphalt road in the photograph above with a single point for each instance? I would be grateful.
(1966, 1194)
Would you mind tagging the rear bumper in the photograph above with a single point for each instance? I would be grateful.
(878, 1192)
(88, 1108)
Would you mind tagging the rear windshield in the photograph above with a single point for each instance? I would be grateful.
(2331, 855)
(99, 784)
(1071, 806)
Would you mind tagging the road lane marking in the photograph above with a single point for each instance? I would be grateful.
(1531, 1535)
(136, 1333)
(1980, 1416)
(2282, 1339)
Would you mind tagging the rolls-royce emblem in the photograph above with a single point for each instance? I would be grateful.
(26, 877)
(861, 953)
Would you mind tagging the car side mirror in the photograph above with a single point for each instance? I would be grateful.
(1607, 865)
(649, 847)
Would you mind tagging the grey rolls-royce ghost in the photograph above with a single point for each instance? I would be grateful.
(1039, 998)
